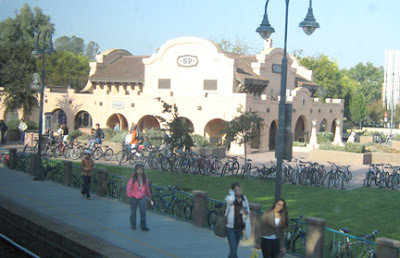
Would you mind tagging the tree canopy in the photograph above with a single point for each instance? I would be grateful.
(77, 46)
(17, 65)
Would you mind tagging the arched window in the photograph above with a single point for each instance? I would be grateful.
(59, 117)
(83, 120)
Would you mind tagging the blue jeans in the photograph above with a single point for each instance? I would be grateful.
(233, 239)
(142, 203)
(22, 140)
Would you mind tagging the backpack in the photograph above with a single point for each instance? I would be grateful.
(101, 134)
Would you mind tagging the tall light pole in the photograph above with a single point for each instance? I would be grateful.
(38, 51)
(284, 120)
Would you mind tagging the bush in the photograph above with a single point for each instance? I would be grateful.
(13, 125)
(200, 141)
(372, 133)
(324, 137)
(299, 144)
(354, 147)
(397, 137)
(154, 135)
(119, 136)
(74, 135)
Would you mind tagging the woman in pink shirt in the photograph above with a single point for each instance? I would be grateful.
(138, 190)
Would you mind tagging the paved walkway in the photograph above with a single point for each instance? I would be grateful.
(108, 220)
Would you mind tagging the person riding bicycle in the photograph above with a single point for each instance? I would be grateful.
(92, 140)
(99, 135)
(136, 139)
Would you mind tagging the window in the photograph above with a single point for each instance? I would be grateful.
(164, 84)
(210, 85)
(83, 120)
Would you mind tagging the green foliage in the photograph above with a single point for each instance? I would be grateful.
(239, 47)
(75, 134)
(66, 69)
(200, 141)
(77, 46)
(397, 137)
(376, 111)
(358, 106)
(17, 40)
(354, 147)
(324, 137)
(154, 135)
(299, 144)
(13, 125)
(372, 133)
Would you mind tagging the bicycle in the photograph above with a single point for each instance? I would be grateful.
(166, 202)
(294, 233)
(231, 166)
(213, 214)
(102, 151)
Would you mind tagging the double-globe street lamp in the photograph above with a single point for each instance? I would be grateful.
(285, 138)
(37, 51)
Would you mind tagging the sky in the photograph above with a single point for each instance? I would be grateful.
(351, 31)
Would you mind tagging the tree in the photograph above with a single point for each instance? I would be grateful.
(239, 47)
(376, 111)
(17, 40)
(77, 46)
(358, 106)
(65, 68)
(240, 128)
(370, 78)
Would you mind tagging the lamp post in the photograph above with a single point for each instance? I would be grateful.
(284, 120)
(38, 51)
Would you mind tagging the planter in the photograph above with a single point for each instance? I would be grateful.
(13, 136)
(205, 151)
(391, 158)
(396, 145)
(366, 139)
(340, 157)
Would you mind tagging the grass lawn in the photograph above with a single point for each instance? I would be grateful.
(361, 210)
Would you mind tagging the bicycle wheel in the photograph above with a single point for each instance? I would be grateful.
(342, 181)
(176, 164)
(212, 219)
(98, 153)
(194, 168)
(205, 168)
(389, 181)
(224, 169)
(181, 209)
(185, 165)
(235, 168)
(382, 180)
(332, 180)
(294, 243)
(165, 163)
(75, 153)
(367, 179)
(155, 163)
(133, 158)
(159, 205)
(108, 154)
(253, 174)
(395, 181)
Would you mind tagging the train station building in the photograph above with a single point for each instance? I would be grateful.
(206, 84)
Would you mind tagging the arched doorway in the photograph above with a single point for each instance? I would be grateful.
(213, 129)
(148, 122)
(333, 127)
(117, 118)
(187, 123)
(323, 126)
(58, 118)
(300, 133)
(83, 120)
(10, 114)
(273, 135)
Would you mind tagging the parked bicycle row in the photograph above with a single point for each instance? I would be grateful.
(383, 176)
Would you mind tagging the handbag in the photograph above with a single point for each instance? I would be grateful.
(220, 225)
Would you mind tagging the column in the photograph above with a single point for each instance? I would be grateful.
(67, 172)
(315, 237)
(338, 134)
(387, 248)
(200, 208)
(102, 182)
(13, 158)
(314, 139)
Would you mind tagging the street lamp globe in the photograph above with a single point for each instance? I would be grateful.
(265, 28)
(309, 24)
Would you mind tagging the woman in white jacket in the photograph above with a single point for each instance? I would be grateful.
(238, 218)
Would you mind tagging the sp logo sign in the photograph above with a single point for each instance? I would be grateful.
(187, 61)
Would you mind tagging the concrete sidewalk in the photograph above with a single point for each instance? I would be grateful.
(108, 220)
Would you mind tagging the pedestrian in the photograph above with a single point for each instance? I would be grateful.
(116, 127)
(87, 166)
(270, 237)
(3, 129)
(128, 138)
(135, 141)
(65, 133)
(238, 218)
(138, 190)
(22, 129)
(352, 137)
(99, 135)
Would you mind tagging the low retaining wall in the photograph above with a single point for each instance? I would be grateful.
(391, 158)
(204, 151)
(340, 157)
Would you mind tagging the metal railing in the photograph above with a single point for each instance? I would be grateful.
(215, 208)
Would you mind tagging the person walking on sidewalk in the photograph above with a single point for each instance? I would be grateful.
(270, 237)
(87, 166)
(3, 129)
(138, 190)
(238, 218)
(22, 129)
